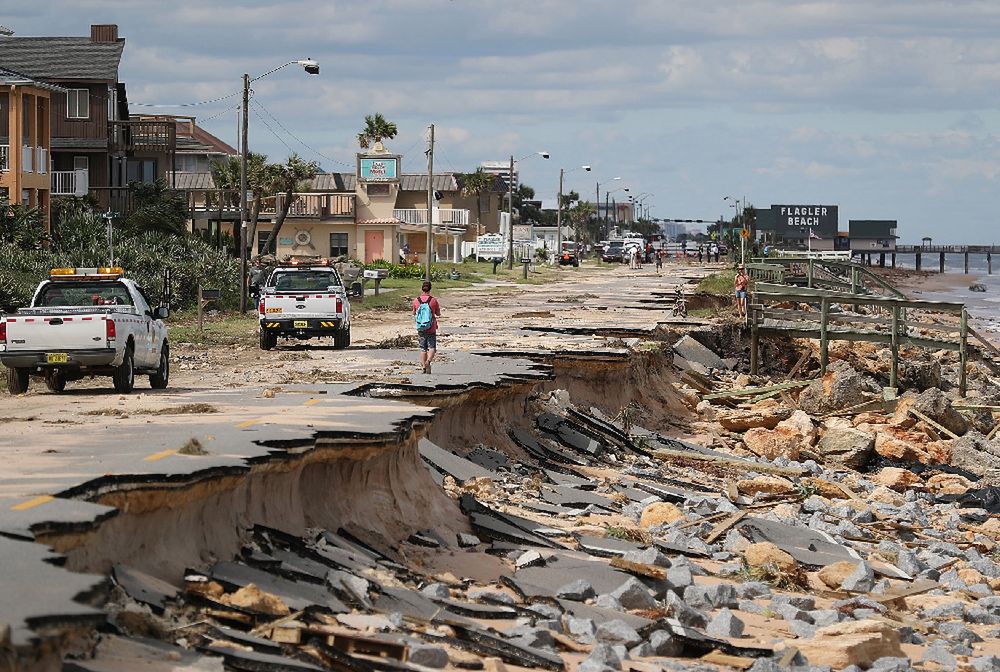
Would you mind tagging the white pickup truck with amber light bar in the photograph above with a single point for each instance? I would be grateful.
(304, 299)
(86, 322)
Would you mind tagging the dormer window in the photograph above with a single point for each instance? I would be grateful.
(78, 104)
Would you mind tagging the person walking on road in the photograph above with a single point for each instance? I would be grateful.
(426, 311)
(741, 282)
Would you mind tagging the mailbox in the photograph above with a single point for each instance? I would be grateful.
(211, 294)
(376, 274)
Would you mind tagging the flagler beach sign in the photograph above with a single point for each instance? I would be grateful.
(799, 219)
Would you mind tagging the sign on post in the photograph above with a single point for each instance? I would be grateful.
(206, 296)
(490, 246)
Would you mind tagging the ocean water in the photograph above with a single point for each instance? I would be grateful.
(984, 308)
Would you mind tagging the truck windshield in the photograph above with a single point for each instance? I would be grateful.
(304, 281)
(83, 293)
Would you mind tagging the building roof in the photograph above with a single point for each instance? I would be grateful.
(332, 182)
(10, 77)
(190, 180)
(62, 58)
(871, 228)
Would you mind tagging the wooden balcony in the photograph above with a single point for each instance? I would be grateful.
(312, 206)
(445, 216)
(142, 136)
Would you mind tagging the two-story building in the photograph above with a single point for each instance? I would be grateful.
(95, 147)
(25, 105)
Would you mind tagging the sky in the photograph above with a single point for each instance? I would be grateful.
(887, 109)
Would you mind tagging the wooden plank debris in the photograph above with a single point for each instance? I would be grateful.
(668, 454)
(938, 427)
(726, 660)
(724, 525)
(757, 391)
(641, 569)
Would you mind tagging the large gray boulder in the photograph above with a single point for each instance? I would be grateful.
(937, 407)
(849, 447)
(840, 388)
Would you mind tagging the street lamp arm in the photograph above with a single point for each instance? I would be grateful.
(311, 66)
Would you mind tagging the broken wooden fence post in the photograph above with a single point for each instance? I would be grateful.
(963, 351)
(894, 345)
(824, 339)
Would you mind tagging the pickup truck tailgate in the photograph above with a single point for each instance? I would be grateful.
(287, 305)
(62, 333)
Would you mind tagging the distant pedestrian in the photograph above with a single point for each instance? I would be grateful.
(701, 253)
(659, 260)
(715, 251)
(741, 283)
(426, 310)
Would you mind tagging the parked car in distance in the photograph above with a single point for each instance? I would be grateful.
(613, 252)
(569, 256)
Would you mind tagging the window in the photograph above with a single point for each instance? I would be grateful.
(81, 163)
(190, 164)
(78, 104)
(338, 245)
(303, 281)
(141, 170)
(261, 239)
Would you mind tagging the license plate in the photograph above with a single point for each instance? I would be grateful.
(300, 324)
(57, 358)
(273, 310)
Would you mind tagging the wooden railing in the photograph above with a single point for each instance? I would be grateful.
(448, 216)
(142, 136)
(889, 327)
(844, 276)
(314, 206)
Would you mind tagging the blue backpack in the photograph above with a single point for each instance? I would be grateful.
(424, 317)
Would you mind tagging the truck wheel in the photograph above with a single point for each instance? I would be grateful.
(17, 380)
(342, 338)
(267, 340)
(160, 379)
(124, 375)
(55, 380)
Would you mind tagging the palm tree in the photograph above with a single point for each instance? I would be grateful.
(476, 184)
(376, 128)
(579, 215)
(226, 175)
(288, 178)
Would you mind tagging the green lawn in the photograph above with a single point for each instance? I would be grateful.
(719, 284)
(221, 329)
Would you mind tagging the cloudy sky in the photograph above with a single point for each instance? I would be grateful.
(887, 109)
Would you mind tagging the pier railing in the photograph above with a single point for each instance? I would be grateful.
(841, 276)
(830, 315)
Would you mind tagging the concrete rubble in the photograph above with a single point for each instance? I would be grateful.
(779, 523)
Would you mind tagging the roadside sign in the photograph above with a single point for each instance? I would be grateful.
(745, 234)
(490, 245)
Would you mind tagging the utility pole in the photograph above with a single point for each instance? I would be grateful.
(430, 203)
(243, 195)
(510, 216)
(597, 210)
(559, 217)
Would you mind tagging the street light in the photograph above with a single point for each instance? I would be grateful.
(562, 172)
(735, 202)
(510, 205)
(311, 67)
(597, 205)
(607, 204)
(639, 199)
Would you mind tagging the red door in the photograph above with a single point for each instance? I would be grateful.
(374, 241)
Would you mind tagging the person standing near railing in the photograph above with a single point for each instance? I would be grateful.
(741, 283)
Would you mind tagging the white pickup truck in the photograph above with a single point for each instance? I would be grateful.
(304, 301)
(86, 322)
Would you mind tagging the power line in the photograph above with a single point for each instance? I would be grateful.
(216, 116)
(275, 134)
(200, 102)
(297, 138)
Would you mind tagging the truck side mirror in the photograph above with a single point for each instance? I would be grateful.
(357, 289)
(162, 312)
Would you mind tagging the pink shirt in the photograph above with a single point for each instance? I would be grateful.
(435, 311)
